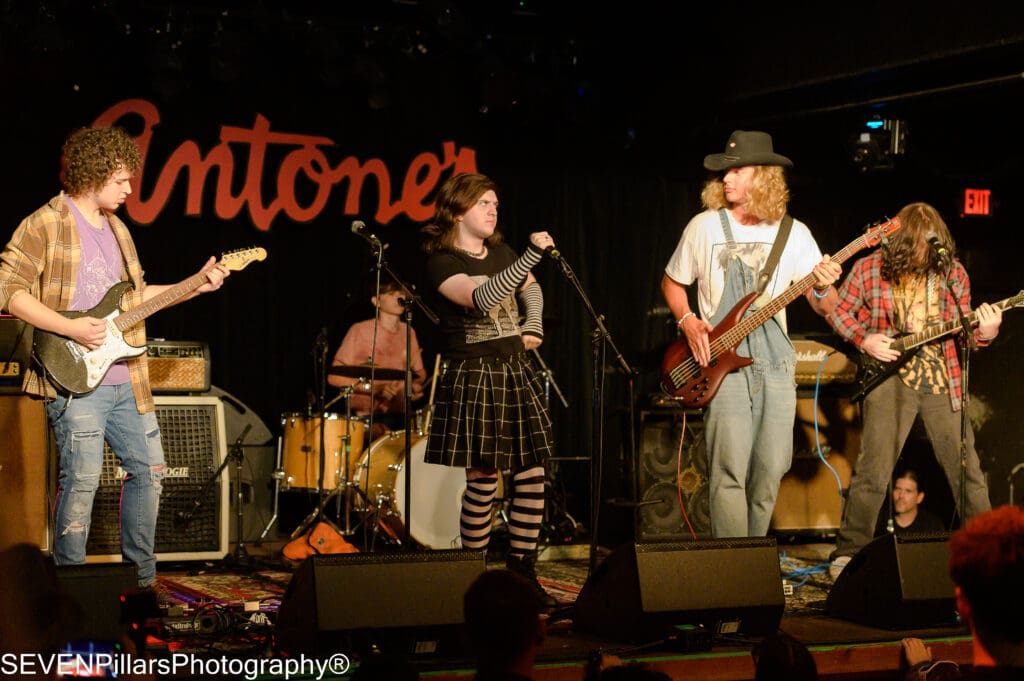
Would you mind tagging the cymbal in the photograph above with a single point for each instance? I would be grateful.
(363, 371)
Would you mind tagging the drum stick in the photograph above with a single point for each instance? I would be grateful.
(433, 383)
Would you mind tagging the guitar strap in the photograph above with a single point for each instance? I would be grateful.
(773, 256)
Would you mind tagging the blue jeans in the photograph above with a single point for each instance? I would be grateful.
(108, 413)
(749, 431)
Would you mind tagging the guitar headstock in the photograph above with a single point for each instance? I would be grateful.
(240, 259)
(876, 233)
(1017, 300)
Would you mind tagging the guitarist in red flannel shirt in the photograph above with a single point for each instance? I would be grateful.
(900, 288)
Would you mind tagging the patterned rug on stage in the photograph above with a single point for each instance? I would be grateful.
(266, 587)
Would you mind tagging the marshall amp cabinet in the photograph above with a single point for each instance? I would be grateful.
(179, 366)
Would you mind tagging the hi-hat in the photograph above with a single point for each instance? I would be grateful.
(363, 371)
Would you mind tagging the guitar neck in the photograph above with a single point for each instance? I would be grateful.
(743, 329)
(911, 341)
(132, 317)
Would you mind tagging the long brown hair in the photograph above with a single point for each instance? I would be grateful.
(454, 199)
(907, 252)
(769, 193)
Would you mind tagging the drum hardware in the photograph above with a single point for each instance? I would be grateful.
(363, 372)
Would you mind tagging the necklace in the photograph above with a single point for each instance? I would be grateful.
(477, 254)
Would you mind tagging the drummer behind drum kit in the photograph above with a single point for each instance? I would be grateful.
(371, 483)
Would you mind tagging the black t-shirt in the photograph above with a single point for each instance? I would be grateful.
(469, 333)
(926, 521)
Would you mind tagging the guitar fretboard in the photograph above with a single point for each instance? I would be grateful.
(910, 341)
(129, 319)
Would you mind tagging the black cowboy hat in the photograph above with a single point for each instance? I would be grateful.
(746, 148)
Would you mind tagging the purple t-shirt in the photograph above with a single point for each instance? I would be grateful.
(100, 268)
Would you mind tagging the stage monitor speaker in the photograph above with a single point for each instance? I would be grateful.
(24, 511)
(98, 590)
(897, 583)
(641, 591)
(192, 432)
(405, 603)
(662, 479)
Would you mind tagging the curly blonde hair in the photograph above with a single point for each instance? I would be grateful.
(769, 194)
(454, 199)
(92, 155)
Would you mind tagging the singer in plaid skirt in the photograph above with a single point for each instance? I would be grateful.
(490, 414)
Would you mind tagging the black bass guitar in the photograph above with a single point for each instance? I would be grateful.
(872, 372)
(79, 370)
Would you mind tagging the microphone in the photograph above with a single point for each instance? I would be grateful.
(941, 252)
(553, 253)
(359, 229)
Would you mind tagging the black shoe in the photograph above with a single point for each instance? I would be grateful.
(524, 566)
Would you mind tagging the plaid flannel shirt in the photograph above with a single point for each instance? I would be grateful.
(865, 307)
(42, 258)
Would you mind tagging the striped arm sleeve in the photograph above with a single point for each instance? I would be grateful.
(499, 287)
(532, 299)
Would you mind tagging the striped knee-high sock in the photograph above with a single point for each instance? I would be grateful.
(475, 521)
(527, 510)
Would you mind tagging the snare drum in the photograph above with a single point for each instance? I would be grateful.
(300, 458)
(436, 497)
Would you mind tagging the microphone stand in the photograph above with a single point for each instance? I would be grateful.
(966, 344)
(409, 300)
(235, 453)
(602, 342)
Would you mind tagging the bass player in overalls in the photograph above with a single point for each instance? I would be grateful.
(743, 242)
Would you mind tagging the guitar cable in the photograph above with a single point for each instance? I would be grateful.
(817, 435)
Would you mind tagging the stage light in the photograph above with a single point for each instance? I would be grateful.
(876, 145)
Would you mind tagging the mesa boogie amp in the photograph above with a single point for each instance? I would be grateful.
(179, 366)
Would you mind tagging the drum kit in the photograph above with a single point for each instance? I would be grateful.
(368, 483)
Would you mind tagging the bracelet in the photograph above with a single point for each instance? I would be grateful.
(821, 294)
(684, 317)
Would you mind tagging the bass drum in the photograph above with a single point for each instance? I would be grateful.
(436, 497)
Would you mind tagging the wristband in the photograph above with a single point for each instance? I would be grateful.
(684, 317)
(821, 294)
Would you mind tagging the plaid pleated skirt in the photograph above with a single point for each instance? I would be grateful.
(490, 412)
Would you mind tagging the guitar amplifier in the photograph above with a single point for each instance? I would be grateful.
(179, 366)
(15, 353)
(809, 354)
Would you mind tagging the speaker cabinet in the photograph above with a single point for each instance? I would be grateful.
(641, 591)
(897, 583)
(98, 590)
(24, 512)
(662, 478)
(192, 432)
(408, 603)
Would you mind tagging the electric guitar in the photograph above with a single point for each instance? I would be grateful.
(79, 370)
(694, 385)
(872, 372)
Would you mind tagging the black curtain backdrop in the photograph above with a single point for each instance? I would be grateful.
(594, 139)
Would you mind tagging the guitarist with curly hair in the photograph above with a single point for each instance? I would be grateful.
(67, 256)
(902, 288)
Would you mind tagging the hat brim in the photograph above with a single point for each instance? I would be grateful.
(718, 162)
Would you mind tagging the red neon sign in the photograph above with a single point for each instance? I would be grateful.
(977, 202)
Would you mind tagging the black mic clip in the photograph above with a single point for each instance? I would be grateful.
(553, 253)
(940, 250)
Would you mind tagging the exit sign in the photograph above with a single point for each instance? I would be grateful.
(977, 202)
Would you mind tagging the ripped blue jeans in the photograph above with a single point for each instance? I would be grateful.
(108, 413)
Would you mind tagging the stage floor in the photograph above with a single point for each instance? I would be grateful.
(234, 611)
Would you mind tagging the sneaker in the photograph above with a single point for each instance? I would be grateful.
(837, 565)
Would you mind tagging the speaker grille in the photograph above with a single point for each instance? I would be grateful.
(192, 432)
(659, 451)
